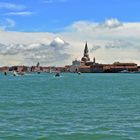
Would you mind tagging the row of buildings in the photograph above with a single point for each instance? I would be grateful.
(23, 68)
(85, 65)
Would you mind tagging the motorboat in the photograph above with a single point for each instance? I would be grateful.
(5, 73)
(79, 72)
(38, 72)
(18, 73)
(57, 74)
(15, 73)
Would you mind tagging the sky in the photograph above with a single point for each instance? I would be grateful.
(54, 32)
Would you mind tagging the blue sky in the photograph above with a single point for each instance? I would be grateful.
(54, 15)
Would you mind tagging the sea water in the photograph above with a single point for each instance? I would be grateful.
(70, 107)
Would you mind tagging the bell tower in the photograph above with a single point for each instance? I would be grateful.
(86, 58)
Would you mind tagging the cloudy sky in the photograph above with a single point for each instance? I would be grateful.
(54, 32)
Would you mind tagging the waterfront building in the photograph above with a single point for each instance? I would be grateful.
(18, 68)
(118, 67)
(75, 66)
(67, 68)
(138, 68)
(84, 64)
(97, 68)
(85, 69)
(4, 69)
(88, 66)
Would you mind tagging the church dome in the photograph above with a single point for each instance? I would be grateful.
(85, 59)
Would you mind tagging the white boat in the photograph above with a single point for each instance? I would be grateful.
(18, 73)
(124, 71)
(15, 73)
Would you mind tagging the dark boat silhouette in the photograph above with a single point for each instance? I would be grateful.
(5, 73)
(79, 73)
(57, 74)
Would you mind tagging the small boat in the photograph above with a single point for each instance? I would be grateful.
(5, 73)
(38, 72)
(57, 74)
(15, 73)
(79, 72)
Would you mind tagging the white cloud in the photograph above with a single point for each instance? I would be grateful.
(85, 26)
(37, 52)
(23, 13)
(81, 26)
(114, 40)
(11, 6)
(119, 44)
(111, 23)
(107, 41)
(7, 23)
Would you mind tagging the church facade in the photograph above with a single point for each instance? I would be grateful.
(88, 66)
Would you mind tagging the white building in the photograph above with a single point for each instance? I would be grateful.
(75, 66)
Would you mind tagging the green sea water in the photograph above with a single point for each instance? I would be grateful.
(70, 107)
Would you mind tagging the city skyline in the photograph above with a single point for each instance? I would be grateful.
(55, 31)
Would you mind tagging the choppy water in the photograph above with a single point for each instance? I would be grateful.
(71, 107)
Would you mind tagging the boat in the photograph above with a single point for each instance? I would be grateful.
(79, 73)
(57, 74)
(124, 71)
(15, 73)
(38, 72)
(5, 73)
